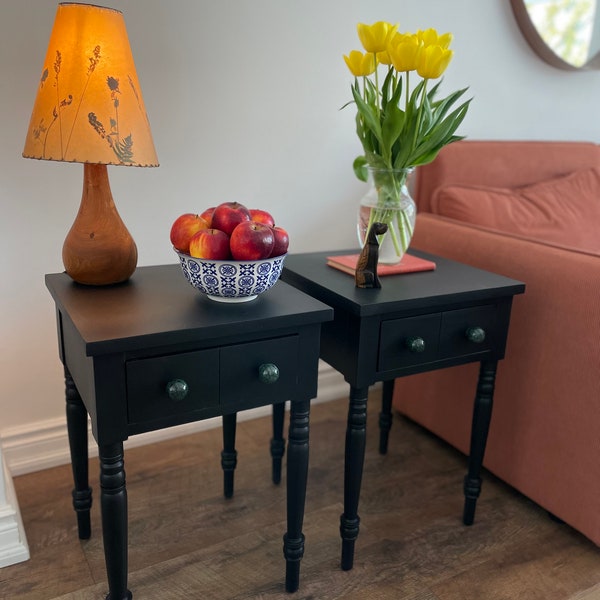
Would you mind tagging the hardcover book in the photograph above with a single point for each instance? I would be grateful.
(408, 264)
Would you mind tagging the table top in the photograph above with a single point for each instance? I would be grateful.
(157, 306)
(450, 282)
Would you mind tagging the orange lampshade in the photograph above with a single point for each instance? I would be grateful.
(89, 106)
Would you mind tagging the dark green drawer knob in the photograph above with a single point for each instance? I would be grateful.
(475, 335)
(415, 344)
(268, 373)
(177, 389)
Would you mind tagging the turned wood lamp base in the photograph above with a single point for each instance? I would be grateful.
(98, 249)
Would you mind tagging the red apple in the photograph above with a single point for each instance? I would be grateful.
(184, 228)
(207, 215)
(212, 244)
(281, 241)
(229, 214)
(251, 241)
(262, 216)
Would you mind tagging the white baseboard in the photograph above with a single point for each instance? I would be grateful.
(44, 444)
(13, 543)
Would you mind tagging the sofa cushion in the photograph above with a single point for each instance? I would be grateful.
(563, 211)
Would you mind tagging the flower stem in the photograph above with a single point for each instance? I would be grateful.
(378, 103)
(388, 209)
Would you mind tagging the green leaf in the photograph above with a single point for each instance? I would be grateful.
(385, 88)
(442, 107)
(395, 99)
(360, 165)
(441, 134)
(369, 114)
(433, 91)
(393, 125)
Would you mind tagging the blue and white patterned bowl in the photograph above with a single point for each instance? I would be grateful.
(231, 280)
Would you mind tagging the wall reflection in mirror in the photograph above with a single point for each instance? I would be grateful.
(569, 30)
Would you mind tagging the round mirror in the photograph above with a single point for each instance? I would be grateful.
(565, 33)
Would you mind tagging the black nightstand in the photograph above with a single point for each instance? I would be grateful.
(416, 322)
(152, 353)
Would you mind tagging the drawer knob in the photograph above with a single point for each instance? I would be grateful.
(475, 334)
(268, 373)
(177, 389)
(415, 344)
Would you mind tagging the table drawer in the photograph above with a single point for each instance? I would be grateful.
(427, 338)
(148, 383)
(409, 341)
(242, 382)
(235, 377)
(468, 331)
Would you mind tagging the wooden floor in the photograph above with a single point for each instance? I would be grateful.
(188, 542)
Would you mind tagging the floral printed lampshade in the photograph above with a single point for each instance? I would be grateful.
(89, 106)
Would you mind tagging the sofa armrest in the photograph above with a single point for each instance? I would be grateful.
(552, 409)
(544, 432)
(562, 286)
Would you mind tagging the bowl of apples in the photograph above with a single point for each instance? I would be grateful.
(229, 252)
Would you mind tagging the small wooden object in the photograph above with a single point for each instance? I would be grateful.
(365, 275)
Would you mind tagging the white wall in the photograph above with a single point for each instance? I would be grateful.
(243, 100)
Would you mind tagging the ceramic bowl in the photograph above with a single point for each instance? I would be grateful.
(231, 280)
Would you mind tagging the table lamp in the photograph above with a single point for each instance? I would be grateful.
(89, 109)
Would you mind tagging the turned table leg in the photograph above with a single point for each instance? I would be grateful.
(385, 416)
(355, 455)
(482, 414)
(78, 446)
(229, 453)
(297, 474)
(277, 441)
(113, 501)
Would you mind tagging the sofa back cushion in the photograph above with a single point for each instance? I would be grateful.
(563, 211)
(500, 164)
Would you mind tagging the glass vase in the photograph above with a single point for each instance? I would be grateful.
(388, 201)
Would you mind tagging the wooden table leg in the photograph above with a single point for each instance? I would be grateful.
(385, 416)
(78, 445)
(297, 474)
(356, 431)
(229, 453)
(482, 414)
(113, 501)
(277, 441)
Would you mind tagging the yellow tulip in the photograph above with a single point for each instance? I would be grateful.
(360, 64)
(383, 58)
(404, 51)
(374, 37)
(430, 37)
(432, 61)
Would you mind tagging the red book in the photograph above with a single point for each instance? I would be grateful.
(408, 264)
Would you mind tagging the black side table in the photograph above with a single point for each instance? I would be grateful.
(416, 322)
(152, 353)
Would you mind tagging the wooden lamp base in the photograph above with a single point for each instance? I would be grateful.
(98, 249)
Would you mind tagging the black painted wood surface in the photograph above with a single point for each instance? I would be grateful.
(153, 352)
(415, 322)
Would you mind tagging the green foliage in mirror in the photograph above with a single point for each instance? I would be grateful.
(565, 33)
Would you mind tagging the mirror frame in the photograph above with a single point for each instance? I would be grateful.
(536, 41)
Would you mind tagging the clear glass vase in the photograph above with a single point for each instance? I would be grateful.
(388, 201)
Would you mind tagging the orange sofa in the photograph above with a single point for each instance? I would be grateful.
(530, 211)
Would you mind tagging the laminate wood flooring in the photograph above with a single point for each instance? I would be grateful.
(188, 542)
